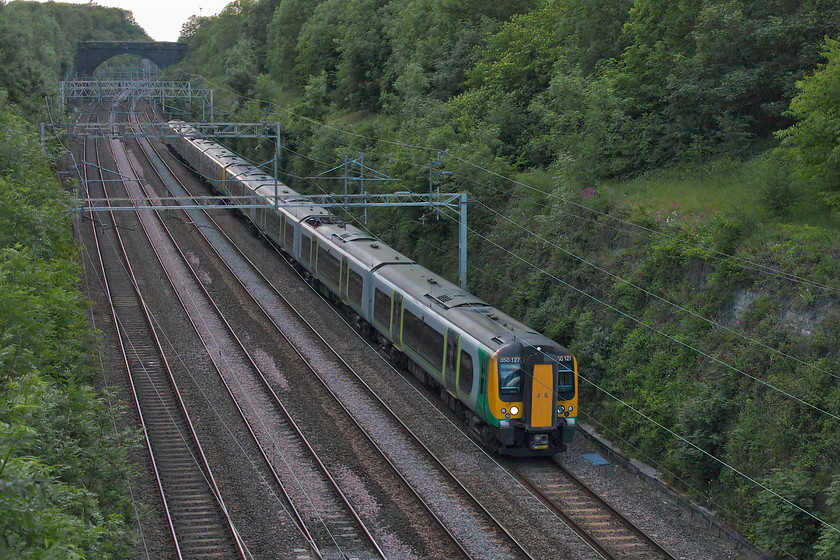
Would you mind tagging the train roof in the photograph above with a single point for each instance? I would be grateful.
(469, 313)
(268, 190)
(366, 249)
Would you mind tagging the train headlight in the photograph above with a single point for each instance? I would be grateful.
(514, 410)
(504, 410)
(571, 408)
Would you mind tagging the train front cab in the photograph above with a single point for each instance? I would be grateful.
(532, 394)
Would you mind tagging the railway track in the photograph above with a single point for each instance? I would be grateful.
(501, 542)
(611, 533)
(338, 530)
(198, 521)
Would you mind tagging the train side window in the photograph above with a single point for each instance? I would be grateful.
(329, 266)
(465, 373)
(423, 339)
(289, 239)
(306, 250)
(272, 224)
(354, 291)
(382, 308)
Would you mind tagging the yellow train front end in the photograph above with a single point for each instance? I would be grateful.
(532, 397)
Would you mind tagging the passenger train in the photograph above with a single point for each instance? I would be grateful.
(516, 389)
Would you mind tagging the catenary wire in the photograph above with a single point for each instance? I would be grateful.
(656, 296)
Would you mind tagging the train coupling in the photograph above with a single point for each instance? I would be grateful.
(539, 441)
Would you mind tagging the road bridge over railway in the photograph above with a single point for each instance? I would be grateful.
(90, 54)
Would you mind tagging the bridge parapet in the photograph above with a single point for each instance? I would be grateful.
(90, 54)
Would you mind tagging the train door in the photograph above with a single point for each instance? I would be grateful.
(540, 389)
(344, 274)
(281, 231)
(396, 319)
(451, 368)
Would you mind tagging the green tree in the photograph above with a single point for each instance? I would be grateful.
(431, 49)
(283, 32)
(703, 76)
(318, 44)
(812, 145)
(257, 19)
(828, 546)
(38, 45)
(500, 10)
(241, 66)
(781, 527)
(364, 50)
(190, 27)
(217, 46)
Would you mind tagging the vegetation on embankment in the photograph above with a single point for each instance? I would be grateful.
(645, 191)
(63, 461)
(63, 468)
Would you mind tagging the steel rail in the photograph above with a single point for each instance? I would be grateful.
(296, 518)
(208, 473)
(650, 541)
(108, 294)
(578, 522)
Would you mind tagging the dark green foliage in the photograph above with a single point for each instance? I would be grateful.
(38, 45)
(704, 76)
(283, 31)
(241, 66)
(829, 544)
(62, 465)
(431, 50)
(783, 528)
(364, 50)
(500, 10)
(813, 144)
(217, 44)
(780, 196)
(256, 29)
(318, 44)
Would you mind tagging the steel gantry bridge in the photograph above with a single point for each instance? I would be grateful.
(87, 89)
(159, 130)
